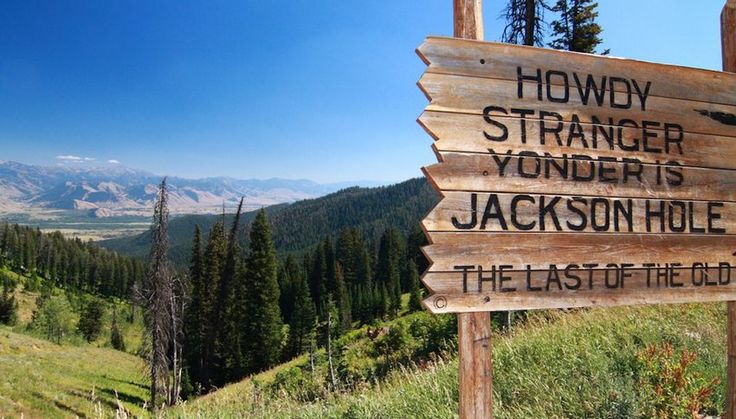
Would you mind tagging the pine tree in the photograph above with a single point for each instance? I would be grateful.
(195, 320)
(346, 255)
(388, 270)
(229, 308)
(8, 304)
(576, 28)
(262, 326)
(524, 22)
(343, 303)
(415, 289)
(116, 338)
(90, 320)
(290, 275)
(214, 261)
(5, 242)
(302, 326)
(318, 280)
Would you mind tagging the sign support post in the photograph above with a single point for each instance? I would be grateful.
(473, 329)
(728, 54)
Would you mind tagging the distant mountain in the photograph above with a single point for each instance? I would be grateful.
(303, 224)
(117, 190)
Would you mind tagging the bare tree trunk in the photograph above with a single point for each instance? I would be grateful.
(154, 378)
(333, 380)
(173, 394)
(530, 20)
(155, 297)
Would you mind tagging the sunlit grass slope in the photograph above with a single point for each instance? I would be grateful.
(39, 378)
(581, 363)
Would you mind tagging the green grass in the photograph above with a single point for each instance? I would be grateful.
(582, 363)
(41, 379)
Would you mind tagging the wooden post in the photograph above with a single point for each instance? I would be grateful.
(728, 55)
(473, 329)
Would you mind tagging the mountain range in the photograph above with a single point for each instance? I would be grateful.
(118, 190)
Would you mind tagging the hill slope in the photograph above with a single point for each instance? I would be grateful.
(302, 224)
(42, 379)
(586, 363)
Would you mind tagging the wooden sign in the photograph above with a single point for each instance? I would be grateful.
(572, 180)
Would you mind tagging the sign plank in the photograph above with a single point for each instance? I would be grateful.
(465, 132)
(461, 94)
(500, 61)
(539, 250)
(573, 176)
(505, 212)
(464, 303)
(578, 280)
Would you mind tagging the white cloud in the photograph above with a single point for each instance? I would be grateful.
(70, 158)
(113, 161)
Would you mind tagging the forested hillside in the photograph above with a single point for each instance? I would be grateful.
(67, 263)
(302, 225)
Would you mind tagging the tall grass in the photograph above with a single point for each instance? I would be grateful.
(582, 363)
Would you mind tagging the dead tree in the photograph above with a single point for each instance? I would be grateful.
(524, 22)
(161, 306)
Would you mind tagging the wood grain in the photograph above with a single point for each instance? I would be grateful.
(470, 95)
(600, 281)
(728, 53)
(459, 171)
(538, 250)
(462, 57)
(610, 218)
(474, 329)
(476, 371)
(465, 132)
(467, 303)
(468, 19)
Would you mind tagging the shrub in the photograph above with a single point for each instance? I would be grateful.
(669, 388)
(53, 318)
(298, 384)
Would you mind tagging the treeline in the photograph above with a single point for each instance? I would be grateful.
(573, 27)
(67, 263)
(247, 312)
(299, 226)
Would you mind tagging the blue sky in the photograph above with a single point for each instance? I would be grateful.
(323, 90)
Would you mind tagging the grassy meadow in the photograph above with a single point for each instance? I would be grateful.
(582, 363)
(39, 378)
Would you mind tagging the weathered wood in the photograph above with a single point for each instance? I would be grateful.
(468, 19)
(476, 381)
(481, 172)
(462, 57)
(504, 212)
(464, 132)
(467, 303)
(474, 329)
(470, 95)
(728, 53)
(538, 250)
(561, 281)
